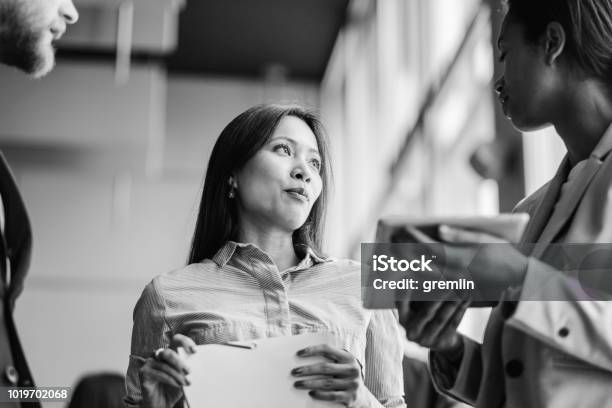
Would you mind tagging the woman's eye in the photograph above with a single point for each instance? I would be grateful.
(316, 163)
(284, 148)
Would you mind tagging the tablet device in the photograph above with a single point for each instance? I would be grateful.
(414, 230)
(509, 227)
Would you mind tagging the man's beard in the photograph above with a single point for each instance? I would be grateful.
(21, 44)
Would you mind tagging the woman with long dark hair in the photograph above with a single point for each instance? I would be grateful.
(256, 270)
(548, 343)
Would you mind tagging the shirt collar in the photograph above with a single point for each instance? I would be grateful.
(231, 248)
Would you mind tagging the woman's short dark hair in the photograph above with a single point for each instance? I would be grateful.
(244, 136)
(587, 24)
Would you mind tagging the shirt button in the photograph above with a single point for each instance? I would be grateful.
(11, 374)
(563, 332)
(514, 368)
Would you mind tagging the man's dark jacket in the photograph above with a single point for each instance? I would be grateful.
(15, 250)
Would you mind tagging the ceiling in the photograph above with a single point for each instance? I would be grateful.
(247, 37)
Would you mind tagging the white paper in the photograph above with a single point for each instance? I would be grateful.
(233, 377)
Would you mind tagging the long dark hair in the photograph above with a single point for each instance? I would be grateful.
(587, 25)
(244, 136)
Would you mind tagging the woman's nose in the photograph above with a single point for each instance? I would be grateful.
(69, 12)
(499, 85)
(302, 173)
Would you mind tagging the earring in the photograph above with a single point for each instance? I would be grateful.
(232, 191)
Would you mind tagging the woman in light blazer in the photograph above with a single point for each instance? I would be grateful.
(557, 57)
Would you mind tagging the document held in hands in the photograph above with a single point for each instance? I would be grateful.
(254, 373)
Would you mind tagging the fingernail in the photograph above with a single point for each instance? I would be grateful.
(298, 384)
(187, 381)
(185, 371)
(296, 371)
(192, 349)
(312, 393)
(302, 352)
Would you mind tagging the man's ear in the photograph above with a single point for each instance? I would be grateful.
(554, 42)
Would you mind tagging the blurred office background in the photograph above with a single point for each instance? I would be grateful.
(110, 149)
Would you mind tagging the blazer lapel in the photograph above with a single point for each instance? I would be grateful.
(571, 198)
(553, 223)
(544, 210)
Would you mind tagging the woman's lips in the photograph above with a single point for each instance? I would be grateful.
(298, 193)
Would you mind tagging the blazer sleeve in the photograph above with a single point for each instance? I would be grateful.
(577, 327)
(461, 380)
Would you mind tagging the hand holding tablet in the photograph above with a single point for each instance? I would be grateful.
(470, 257)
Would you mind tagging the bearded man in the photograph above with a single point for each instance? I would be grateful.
(28, 29)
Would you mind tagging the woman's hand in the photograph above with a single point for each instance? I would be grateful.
(164, 374)
(341, 382)
(493, 263)
(434, 324)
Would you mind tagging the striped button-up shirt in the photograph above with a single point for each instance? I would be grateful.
(241, 295)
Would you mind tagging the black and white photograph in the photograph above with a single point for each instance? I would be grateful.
(306, 203)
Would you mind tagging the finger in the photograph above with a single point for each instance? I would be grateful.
(328, 369)
(438, 323)
(172, 358)
(457, 317)
(328, 384)
(457, 258)
(159, 372)
(465, 236)
(419, 235)
(334, 396)
(327, 351)
(180, 340)
(435, 250)
(424, 315)
(164, 367)
(445, 325)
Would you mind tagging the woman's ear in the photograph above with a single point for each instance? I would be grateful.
(554, 42)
